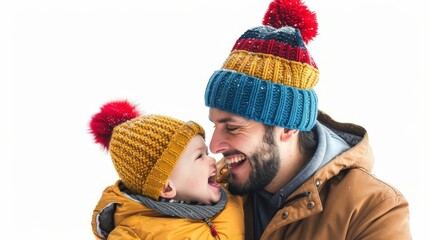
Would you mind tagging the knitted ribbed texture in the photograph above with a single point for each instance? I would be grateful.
(272, 68)
(145, 149)
(262, 101)
(268, 77)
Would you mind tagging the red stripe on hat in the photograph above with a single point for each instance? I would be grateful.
(275, 48)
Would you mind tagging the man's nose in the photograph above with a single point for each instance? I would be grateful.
(217, 143)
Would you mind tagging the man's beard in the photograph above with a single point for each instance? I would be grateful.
(266, 164)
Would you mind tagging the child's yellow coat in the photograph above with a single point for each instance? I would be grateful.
(133, 220)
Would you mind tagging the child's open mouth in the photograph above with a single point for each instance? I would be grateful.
(212, 180)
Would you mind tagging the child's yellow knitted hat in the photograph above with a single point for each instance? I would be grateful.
(144, 149)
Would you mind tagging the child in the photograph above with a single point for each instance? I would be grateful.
(167, 187)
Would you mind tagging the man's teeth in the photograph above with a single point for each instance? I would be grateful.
(213, 174)
(235, 159)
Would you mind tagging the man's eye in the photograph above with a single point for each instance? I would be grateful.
(231, 128)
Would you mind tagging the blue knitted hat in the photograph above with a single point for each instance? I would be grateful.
(269, 75)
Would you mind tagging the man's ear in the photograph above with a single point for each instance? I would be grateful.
(287, 134)
(168, 191)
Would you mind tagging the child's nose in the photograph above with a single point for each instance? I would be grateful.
(212, 161)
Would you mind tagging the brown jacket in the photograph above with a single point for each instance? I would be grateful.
(346, 200)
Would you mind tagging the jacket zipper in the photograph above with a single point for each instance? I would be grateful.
(212, 229)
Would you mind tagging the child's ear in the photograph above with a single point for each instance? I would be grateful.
(168, 191)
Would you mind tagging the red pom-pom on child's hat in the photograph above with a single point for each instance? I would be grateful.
(111, 115)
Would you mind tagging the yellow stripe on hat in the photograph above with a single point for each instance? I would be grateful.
(272, 68)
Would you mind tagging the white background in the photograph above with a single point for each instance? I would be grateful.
(61, 60)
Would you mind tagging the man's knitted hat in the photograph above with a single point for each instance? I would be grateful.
(269, 75)
(144, 148)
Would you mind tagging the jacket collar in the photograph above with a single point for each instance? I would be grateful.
(306, 197)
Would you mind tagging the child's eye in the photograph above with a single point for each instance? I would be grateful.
(200, 156)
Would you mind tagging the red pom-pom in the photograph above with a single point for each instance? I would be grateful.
(292, 13)
(111, 115)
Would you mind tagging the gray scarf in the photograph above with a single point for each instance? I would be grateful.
(182, 210)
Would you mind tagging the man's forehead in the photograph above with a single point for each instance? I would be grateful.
(219, 116)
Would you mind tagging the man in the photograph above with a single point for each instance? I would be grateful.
(305, 176)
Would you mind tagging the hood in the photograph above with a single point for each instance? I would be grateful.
(360, 154)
